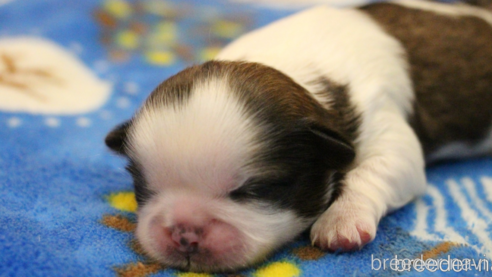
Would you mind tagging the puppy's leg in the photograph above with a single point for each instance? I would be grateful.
(389, 172)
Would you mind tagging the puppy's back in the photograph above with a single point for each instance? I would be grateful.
(448, 49)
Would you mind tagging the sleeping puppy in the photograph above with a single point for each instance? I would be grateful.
(321, 120)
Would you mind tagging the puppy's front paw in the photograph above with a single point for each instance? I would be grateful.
(344, 227)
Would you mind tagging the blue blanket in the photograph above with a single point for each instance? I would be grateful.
(66, 202)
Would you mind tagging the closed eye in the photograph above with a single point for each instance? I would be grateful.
(242, 194)
(259, 189)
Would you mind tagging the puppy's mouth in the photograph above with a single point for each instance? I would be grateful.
(199, 261)
(202, 260)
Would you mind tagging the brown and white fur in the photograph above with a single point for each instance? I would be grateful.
(321, 120)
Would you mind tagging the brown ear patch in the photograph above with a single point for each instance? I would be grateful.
(450, 60)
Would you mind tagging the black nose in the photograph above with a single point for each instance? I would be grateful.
(188, 247)
(187, 239)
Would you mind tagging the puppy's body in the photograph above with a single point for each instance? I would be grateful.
(315, 118)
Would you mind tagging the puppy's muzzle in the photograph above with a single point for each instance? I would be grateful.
(186, 238)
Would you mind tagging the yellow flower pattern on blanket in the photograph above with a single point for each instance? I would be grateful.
(152, 30)
(284, 268)
(123, 201)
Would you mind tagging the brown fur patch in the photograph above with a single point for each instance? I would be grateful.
(481, 3)
(255, 84)
(118, 222)
(308, 253)
(451, 67)
(138, 269)
(266, 92)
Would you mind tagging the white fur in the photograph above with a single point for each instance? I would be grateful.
(346, 46)
(258, 222)
(207, 139)
(197, 151)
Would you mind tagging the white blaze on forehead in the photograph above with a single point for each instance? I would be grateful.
(199, 144)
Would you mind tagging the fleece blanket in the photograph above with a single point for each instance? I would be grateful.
(71, 70)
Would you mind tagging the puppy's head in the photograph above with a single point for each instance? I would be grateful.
(230, 160)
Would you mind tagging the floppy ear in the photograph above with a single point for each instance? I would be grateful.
(115, 140)
(339, 151)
